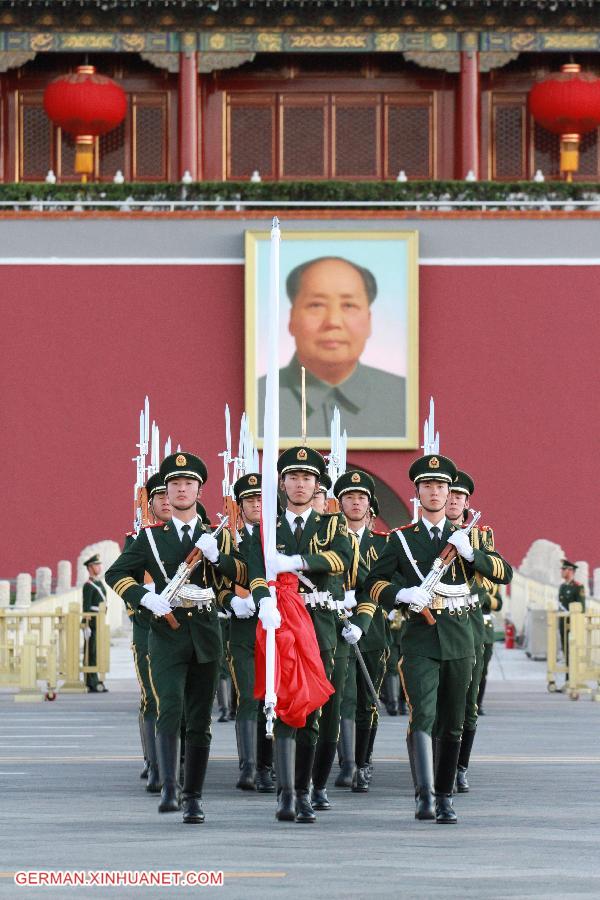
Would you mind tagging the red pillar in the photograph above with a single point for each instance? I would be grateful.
(188, 114)
(469, 112)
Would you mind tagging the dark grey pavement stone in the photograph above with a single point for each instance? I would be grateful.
(529, 827)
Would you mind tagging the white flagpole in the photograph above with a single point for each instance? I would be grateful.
(270, 454)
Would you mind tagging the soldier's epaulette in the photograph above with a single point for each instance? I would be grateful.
(155, 525)
(380, 533)
(577, 583)
(130, 534)
(403, 527)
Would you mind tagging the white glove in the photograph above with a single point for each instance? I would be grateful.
(414, 596)
(282, 563)
(87, 632)
(349, 600)
(268, 613)
(243, 607)
(351, 633)
(155, 603)
(461, 541)
(209, 547)
(391, 616)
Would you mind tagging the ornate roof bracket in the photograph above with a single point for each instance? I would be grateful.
(449, 61)
(207, 62)
(14, 59)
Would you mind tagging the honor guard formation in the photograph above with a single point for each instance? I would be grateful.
(350, 611)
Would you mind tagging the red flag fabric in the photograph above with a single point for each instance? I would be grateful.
(300, 681)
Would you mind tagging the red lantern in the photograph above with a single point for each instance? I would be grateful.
(567, 104)
(85, 105)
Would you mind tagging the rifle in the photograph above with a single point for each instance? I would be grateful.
(440, 566)
(181, 576)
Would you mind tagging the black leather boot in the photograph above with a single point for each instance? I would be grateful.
(167, 751)
(480, 694)
(347, 741)
(305, 757)
(360, 782)
(466, 745)
(246, 729)
(372, 737)
(421, 755)
(392, 691)
(144, 772)
(233, 704)
(285, 752)
(324, 758)
(223, 699)
(264, 760)
(153, 785)
(445, 773)
(196, 761)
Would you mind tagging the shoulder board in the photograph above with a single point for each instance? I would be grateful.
(403, 527)
(156, 525)
(130, 534)
(577, 584)
(380, 533)
(484, 527)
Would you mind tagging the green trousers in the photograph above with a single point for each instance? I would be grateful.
(181, 686)
(471, 704)
(329, 724)
(241, 661)
(394, 656)
(367, 714)
(488, 651)
(139, 647)
(434, 686)
(309, 734)
(89, 656)
(348, 705)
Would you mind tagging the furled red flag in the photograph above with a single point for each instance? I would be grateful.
(300, 682)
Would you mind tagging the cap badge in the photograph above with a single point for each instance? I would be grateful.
(252, 480)
(434, 463)
(355, 478)
(302, 454)
(181, 460)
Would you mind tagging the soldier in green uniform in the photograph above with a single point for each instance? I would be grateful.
(255, 751)
(457, 506)
(355, 490)
(491, 601)
(94, 593)
(318, 545)
(184, 662)
(570, 591)
(437, 660)
(319, 503)
(160, 510)
(343, 659)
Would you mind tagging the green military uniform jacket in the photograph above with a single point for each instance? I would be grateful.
(484, 537)
(452, 636)
(327, 551)
(242, 631)
(490, 602)
(94, 593)
(376, 636)
(571, 592)
(124, 578)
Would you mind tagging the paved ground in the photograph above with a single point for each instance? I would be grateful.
(71, 798)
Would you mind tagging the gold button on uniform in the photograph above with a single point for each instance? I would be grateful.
(189, 614)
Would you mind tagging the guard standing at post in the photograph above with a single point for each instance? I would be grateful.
(94, 593)
(570, 591)
(184, 661)
(437, 659)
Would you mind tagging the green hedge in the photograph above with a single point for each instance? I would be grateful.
(441, 191)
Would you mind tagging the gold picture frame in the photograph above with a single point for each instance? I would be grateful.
(385, 324)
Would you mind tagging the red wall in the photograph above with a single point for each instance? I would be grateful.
(509, 355)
